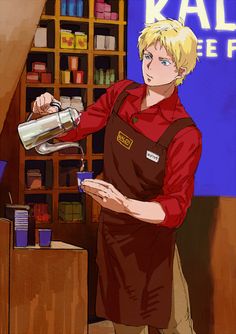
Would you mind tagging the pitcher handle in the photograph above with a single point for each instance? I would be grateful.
(54, 103)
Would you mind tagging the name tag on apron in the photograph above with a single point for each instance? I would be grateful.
(152, 156)
(124, 140)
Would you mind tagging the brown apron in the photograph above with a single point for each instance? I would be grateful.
(134, 257)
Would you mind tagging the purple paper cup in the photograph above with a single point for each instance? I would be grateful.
(81, 176)
(45, 237)
(21, 238)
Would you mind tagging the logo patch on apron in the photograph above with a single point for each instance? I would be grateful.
(152, 156)
(124, 140)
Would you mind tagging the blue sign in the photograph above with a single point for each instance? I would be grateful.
(209, 93)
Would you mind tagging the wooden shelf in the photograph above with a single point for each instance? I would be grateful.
(40, 85)
(117, 22)
(38, 191)
(71, 221)
(65, 190)
(100, 86)
(74, 19)
(97, 156)
(34, 49)
(47, 17)
(71, 157)
(108, 53)
(73, 85)
(43, 224)
(92, 20)
(57, 61)
(74, 51)
(55, 85)
(38, 157)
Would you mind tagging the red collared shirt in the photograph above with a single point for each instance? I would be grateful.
(183, 153)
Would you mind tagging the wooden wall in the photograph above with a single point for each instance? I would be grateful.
(18, 22)
(9, 150)
(207, 246)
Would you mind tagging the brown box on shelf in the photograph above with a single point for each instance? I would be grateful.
(32, 77)
(38, 66)
(46, 77)
(34, 179)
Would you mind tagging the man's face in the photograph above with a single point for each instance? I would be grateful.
(158, 66)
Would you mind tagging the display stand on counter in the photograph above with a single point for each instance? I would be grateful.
(34, 284)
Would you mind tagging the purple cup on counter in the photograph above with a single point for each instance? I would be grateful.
(21, 238)
(81, 176)
(45, 237)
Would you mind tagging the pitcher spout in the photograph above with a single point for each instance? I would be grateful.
(47, 148)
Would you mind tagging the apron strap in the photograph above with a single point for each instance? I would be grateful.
(122, 96)
(173, 129)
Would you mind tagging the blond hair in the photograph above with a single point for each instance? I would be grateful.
(179, 41)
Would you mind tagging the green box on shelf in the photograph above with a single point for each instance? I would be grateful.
(69, 211)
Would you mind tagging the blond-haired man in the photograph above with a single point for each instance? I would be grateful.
(152, 149)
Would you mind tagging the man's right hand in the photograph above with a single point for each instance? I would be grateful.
(42, 104)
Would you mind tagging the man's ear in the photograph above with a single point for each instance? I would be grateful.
(181, 72)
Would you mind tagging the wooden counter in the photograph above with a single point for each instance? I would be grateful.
(43, 290)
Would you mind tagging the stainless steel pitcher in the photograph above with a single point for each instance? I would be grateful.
(36, 133)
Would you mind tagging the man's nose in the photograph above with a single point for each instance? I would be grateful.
(149, 63)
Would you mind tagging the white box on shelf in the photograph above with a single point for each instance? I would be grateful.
(99, 42)
(40, 38)
(110, 43)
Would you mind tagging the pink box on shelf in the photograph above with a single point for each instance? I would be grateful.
(100, 7)
(32, 77)
(46, 77)
(99, 15)
(78, 77)
(107, 16)
(100, 1)
(107, 7)
(114, 16)
(38, 66)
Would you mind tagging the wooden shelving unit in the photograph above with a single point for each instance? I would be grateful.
(87, 90)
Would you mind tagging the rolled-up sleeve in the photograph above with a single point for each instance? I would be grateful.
(183, 156)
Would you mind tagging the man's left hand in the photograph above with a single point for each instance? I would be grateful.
(105, 194)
